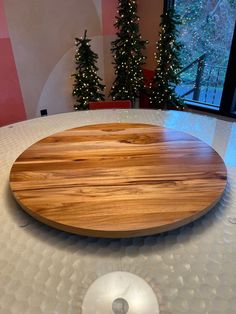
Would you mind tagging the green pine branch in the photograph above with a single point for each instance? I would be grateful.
(168, 64)
(127, 51)
(87, 84)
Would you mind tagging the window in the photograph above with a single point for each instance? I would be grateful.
(207, 35)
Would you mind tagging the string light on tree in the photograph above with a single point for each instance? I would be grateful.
(166, 77)
(127, 53)
(87, 84)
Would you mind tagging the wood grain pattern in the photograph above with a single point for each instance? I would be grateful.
(118, 180)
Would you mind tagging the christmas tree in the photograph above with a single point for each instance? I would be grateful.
(87, 86)
(166, 77)
(127, 53)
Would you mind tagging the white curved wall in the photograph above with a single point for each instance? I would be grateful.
(42, 32)
(56, 93)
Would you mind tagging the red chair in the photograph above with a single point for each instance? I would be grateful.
(114, 104)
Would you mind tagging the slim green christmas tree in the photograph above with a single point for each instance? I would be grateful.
(127, 53)
(87, 86)
(166, 77)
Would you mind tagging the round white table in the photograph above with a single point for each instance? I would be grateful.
(190, 270)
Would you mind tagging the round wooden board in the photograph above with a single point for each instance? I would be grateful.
(118, 179)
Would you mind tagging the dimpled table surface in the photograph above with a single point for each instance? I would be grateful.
(190, 269)
(118, 179)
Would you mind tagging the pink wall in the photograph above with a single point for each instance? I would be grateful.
(3, 22)
(36, 68)
(109, 12)
(42, 35)
(149, 13)
(11, 101)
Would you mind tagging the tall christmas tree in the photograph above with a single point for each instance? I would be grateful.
(127, 53)
(166, 77)
(87, 85)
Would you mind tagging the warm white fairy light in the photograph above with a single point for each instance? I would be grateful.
(127, 53)
(86, 81)
(162, 87)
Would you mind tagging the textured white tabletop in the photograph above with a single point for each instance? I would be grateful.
(191, 269)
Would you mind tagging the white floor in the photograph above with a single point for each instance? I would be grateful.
(191, 269)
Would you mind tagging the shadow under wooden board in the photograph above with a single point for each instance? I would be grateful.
(118, 179)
